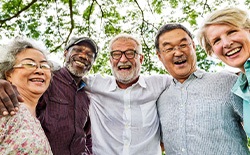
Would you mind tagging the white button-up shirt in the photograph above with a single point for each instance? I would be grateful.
(125, 121)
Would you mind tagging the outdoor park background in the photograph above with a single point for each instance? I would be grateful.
(55, 21)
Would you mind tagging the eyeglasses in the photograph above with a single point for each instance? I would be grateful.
(117, 54)
(32, 66)
(177, 47)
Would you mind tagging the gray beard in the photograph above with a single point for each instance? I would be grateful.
(74, 72)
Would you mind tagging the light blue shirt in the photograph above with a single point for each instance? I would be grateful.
(202, 116)
(125, 121)
(241, 88)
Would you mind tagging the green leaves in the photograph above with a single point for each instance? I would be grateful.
(54, 22)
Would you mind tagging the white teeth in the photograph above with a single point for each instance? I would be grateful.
(79, 63)
(37, 80)
(233, 52)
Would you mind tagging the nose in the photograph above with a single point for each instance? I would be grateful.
(39, 71)
(123, 58)
(83, 56)
(178, 52)
(227, 42)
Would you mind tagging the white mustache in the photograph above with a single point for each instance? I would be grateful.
(122, 64)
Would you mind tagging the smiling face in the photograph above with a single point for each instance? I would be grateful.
(30, 81)
(126, 71)
(230, 44)
(79, 59)
(177, 53)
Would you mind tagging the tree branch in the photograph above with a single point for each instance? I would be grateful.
(70, 30)
(71, 20)
(143, 19)
(204, 7)
(19, 12)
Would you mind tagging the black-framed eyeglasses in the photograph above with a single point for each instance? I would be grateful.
(117, 54)
(177, 47)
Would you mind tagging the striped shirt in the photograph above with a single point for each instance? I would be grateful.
(202, 116)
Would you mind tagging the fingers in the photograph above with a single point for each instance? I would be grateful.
(6, 106)
(16, 98)
(8, 99)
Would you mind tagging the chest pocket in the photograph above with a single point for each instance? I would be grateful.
(149, 113)
(57, 108)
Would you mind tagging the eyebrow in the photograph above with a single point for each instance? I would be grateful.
(33, 60)
(88, 49)
(168, 43)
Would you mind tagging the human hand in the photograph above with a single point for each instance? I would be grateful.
(9, 98)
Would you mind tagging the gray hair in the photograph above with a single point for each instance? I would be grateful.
(9, 52)
(229, 16)
(127, 37)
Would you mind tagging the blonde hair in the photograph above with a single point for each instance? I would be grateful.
(228, 16)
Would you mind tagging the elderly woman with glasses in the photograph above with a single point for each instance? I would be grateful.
(23, 63)
(226, 33)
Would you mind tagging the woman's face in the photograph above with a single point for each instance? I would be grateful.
(31, 73)
(230, 44)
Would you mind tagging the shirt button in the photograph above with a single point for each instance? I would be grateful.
(182, 149)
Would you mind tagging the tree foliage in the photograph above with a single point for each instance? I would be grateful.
(55, 21)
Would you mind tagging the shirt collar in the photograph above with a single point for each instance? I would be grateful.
(247, 65)
(197, 74)
(141, 82)
(240, 88)
(65, 72)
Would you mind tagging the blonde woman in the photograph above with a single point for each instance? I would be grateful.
(226, 33)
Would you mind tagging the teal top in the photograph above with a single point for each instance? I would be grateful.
(242, 89)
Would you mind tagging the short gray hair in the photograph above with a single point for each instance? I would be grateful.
(9, 52)
(127, 37)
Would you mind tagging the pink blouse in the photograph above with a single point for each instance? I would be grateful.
(22, 134)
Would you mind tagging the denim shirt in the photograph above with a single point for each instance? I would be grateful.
(241, 88)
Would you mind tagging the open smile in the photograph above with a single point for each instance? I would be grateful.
(234, 51)
(124, 67)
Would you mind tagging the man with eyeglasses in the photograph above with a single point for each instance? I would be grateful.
(198, 112)
(123, 113)
(63, 110)
(123, 106)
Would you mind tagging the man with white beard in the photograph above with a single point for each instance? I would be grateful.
(123, 111)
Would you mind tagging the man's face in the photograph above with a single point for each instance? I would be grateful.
(79, 59)
(177, 53)
(126, 70)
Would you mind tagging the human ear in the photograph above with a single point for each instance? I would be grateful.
(8, 76)
(159, 55)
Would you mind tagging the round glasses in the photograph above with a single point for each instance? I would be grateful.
(117, 54)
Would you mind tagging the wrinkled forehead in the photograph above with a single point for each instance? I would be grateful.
(31, 53)
(173, 37)
(123, 44)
